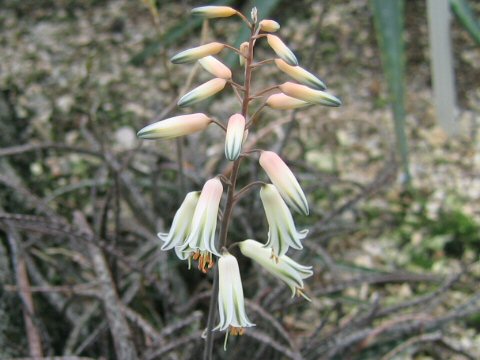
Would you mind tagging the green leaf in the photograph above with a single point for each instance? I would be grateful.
(389, 26)
(466, 16)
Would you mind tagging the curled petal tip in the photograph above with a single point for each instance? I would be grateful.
(282, 50)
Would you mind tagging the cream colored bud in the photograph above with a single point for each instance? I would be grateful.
(198, 52)
(269, 25)
(215, 67)
(305, 93)
(202, 92)
(175, 126)
(244, 52)
(234, 137)
(300, 74)
(211, 12)
(281, 50)
(283, 102)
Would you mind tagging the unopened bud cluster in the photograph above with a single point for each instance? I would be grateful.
(193, 232)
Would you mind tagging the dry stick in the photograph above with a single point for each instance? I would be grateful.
(33, 336)
(122, 338)
(208, 350)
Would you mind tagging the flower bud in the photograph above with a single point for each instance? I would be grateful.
(244, 51)
(269, 25)
(305, 93)
(284, 180)
(283, 102)
(234, 138)
(281, 50)
(202, 92)
(175, 126)
(285, 269)
(215, 67)
(211, 12)
(300, 74)
(198, 52)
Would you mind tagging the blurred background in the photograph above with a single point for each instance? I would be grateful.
(392, 178)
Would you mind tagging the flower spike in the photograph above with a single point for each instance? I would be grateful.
(286, 269)
(231, 304)
(181, 222)
(300, 74)
(305, 93)
(215, 67)
(284, 180)
(281, 101)
(269, 25)
(175, 126)
(193, 54)
(282, 50)
(202, 92)
(281, 229)
(211, 12)
(200, 242)
(235, 136)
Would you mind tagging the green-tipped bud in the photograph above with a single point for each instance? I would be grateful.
(283, 102)
(211, 12)
(281, 50)
(198, 52)
(215, 67)
(235, 136)
(269, 25)
(202, 92)
(175, 126)
(300, 74)
(305, 93)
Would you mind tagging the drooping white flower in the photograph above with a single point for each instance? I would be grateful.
(234, 136)
(286, 269)
(181, 222)
(281, 229)
(200, 242)
(231, 303)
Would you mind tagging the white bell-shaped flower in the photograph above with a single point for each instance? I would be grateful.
(281, 229)
(285, 269)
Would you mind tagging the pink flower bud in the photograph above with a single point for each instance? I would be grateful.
(234, 137)
(175, 126)
(198, 52)
(281, 50)
(284, 180)
(215, 67)
(202, 92)
(211, 12)
(283, 102)
(300, 74)
(310, 95)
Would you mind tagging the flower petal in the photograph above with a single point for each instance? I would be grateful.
(175, 126)
(234, 137)
(215, 67)
(281, 101)
(281, 50)
(305, 93)
(300, 74)
(202, 92)
(198, 52)
(211, 12)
